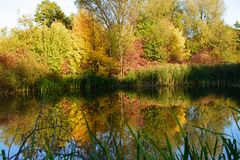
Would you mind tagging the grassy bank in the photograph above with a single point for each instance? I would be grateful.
(50, 83)
(196, 75)
(165, 75)
(85, 82)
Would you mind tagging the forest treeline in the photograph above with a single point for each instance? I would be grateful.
(112, 38)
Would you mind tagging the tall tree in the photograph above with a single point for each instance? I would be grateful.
(93, 39)
(117, 17)
(49, 12)
(55, 47)
(162, 40)
(237, 31)
(201, 22)
(111, 12)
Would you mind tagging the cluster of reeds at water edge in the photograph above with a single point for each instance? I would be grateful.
(182, 74)
(86, 82)
(225, 147)
(165, 75)
(55, 83)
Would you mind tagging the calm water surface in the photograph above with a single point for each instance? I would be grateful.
(59, 121)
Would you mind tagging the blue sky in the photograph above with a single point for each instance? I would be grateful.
(11, 10)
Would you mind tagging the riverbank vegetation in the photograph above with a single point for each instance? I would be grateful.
(185, 75)
(115, 40)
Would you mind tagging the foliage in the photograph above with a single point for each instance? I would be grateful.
(48, 12)
(112, 13)
(224, 45)
(133, 58)
(10, 43)
(237, 31)
(19, 70)
(162, 41)
(237, 24)
(118, 18)
(196, 75)
(62, 56)
(85, 82)
(100, 40)
(94, 42)
(204, 29)
(26, 21)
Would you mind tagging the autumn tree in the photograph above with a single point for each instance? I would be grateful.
(55, 47)
(202, 25)
(93, 39)
(201, 17)
(48, 12)
(118, 18)
(237, 31)
(3, 32)
(162, 40)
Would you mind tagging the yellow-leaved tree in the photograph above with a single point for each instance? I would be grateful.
(92, 37)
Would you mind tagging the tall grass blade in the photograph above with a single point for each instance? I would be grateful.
(139, 143)
(4, 155)
(179, 124)
(170, 149)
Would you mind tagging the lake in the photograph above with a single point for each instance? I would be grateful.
(66, 123)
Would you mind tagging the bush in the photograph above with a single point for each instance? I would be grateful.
(19, 70)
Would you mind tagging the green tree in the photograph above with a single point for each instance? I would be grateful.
(56, 47)
(223, 43)
(3, 32)
(237, 31)
(237, 24)
(162, 40)
(202, 25)
(18, 66)
(49, 12)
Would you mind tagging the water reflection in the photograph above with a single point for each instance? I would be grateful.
(58, 122)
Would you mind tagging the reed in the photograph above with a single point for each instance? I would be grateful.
(176, 74)
(225, 146)
(141, 146)
(86, 82)
(165, 75)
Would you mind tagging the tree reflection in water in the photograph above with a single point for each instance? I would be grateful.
(40, 127)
